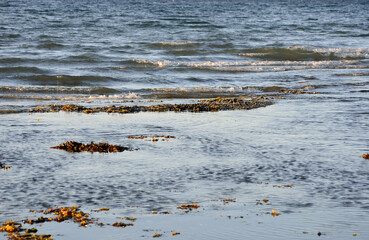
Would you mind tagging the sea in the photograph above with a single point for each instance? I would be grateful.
(303, 154)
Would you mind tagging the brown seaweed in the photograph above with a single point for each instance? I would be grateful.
(72, 146)
(3, 166)
(209, 105)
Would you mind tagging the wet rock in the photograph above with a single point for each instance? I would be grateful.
(72, 146)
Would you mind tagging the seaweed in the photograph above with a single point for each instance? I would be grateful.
(72, 146)
(209, 105)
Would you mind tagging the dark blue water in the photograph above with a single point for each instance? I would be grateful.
(109, 52)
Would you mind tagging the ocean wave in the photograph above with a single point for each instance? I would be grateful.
(13, 60)
(198, 92)
(200, 89)
(144, 62)
(353, 74)
(298, 53)
(250, 66)
(130, 95)
(65, 80)
(21, 69)
(175, 44)
(68, 96)
(57, 90)
(50, 45)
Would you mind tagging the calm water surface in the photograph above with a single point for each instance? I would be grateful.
(103, 53)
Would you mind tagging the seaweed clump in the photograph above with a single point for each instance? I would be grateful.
(13, 230)
(188, 207)
(122, 224)
(72, 146)
(3, 166)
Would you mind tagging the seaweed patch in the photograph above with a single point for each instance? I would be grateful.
(3, 166)
(72, 146)
(188, 207)
(209, 105)
(14, 229)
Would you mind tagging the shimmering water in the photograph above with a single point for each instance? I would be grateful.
(102, 53)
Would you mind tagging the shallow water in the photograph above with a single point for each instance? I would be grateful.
(130, 52)
(232, 154)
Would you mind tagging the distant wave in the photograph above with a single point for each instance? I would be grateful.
(200, 89)
(21, 69)
(56, 90)
(353, 74)
(306, 54)
(198, 92)
(250, 66)
(65, 80)
(175, 44)
(50, 45)
(46, 94)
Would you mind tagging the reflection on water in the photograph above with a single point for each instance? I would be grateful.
(101, 53)
(233, 154)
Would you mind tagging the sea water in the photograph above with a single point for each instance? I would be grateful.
(95, 53)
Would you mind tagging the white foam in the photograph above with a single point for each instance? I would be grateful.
(201, 89)
(130, 95)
